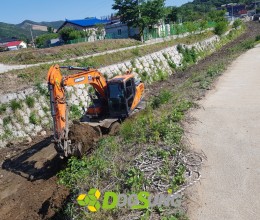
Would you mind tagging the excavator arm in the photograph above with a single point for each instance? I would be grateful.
(59, 108)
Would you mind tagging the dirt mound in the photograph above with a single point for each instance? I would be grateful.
(84, 137)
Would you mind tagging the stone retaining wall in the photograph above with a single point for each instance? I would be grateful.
(26, 113)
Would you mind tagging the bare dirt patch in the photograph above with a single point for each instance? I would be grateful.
(28, 185)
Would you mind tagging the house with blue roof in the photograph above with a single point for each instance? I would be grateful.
(87, 24)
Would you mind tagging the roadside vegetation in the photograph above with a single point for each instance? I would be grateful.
(156, 132)
(35, 75)
(31, 56)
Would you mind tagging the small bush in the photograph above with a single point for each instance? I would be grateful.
(75, 112)
(161, 75)
(163, 98)
(237, 23)
(189, 55)
(135, 179)
(248, 44)
(3, 108)
(172, 64)
(257, 38)
(7, 120)
(33, 118)
(30, 101)
(45, 109)
(221, 28)
(144, 76)
(15, 105)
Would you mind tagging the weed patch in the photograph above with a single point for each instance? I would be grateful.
(30, 101)
(15, 105)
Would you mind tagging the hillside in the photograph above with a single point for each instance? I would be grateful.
(53, 24)
(201, 5)
(22, 30)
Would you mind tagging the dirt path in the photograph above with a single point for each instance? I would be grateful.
(227, 130)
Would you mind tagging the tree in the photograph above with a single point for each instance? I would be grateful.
(172, 15)
(50, 29)
(190, 26)
(100, 30)
(65, 33)
(137, 13)
(217, 16)
(43, 40)
(221, 27)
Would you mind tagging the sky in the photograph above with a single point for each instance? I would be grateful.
(16, 11)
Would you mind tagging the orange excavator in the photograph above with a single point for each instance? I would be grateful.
(115, 100)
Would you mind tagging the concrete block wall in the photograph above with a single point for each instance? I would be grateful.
(25, 122)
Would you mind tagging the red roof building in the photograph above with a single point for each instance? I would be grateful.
(16, 45)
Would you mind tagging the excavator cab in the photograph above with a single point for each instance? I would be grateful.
(121, 93)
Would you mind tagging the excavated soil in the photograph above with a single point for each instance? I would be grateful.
(28, 182)
(85, 135)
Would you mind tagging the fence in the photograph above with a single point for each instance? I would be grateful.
(152, 33)
(86, 39)
(173, 29)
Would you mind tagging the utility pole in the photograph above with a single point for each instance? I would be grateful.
(32, 37)
(142, 35)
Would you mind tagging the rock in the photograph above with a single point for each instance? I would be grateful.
(7, 156)
(37, 128)
(43, 133)
(41, 113)
(28, 139)
(26, 119)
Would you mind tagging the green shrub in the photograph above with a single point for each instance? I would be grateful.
(15, 105)
(163, 97)
(3, 108)
(160, 75)
(134, 179)
(248, 44)
(30, 101)
(237, 23)
(172, 64)
(7, 120)
(144, 76)
(221, 28)
(75, 112)
(257, 38)
(34, 118)
(189, 55)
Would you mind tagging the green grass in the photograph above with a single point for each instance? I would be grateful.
(75, 112)
(30, 101)
(3, 108)
(7, 120)
(31, 56)
(14, 104)
(34, 119)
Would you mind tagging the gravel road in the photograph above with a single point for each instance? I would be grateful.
(227, 131)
